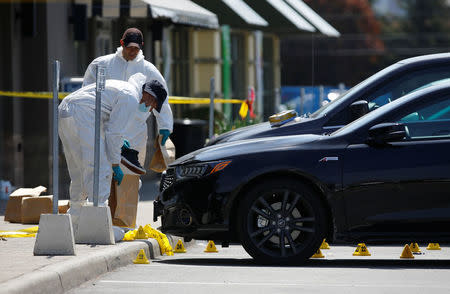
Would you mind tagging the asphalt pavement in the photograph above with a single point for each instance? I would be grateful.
(232, 270)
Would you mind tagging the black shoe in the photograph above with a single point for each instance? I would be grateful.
(130, 160)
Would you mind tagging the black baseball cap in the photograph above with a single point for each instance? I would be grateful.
(133, 37)
(156, 89)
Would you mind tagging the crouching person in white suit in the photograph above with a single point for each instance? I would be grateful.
(121, 100)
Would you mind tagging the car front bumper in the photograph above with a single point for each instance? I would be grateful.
(192, 209)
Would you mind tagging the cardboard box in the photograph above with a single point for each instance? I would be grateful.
(13, 211)
(63, 206)
(123, 201)
(33, 207)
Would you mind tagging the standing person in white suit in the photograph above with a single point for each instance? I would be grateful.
(121, 102)
(127, 61)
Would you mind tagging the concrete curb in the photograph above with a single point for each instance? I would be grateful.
(66, 275)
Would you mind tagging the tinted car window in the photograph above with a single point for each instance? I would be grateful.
(430, 121)
(395, 88)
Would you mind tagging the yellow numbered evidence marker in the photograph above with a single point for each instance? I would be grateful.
(211, 247)
(406, 253)
(324, 245)
(179, 248)
(361, 250)
(318, 254)
(433, 246)
(141, 258)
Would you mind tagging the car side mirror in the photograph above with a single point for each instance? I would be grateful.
(359, 108)
(386, 132)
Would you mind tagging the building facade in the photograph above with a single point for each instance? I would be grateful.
(235, 41)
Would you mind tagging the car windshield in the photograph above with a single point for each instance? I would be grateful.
(324, 110)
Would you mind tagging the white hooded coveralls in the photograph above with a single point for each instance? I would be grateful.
(119, 104)
(119, 69)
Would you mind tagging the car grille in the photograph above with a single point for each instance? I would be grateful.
(167, 179)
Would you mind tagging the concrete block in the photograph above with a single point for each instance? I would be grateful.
(95, 226)
(55, 235)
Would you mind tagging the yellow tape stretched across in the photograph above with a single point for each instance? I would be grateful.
(172, 99)
(30, 232)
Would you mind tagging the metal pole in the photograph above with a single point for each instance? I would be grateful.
(302, 99)
(55, 137)
(321, 95)
(211, 107)
(100, 86)
(259, 73)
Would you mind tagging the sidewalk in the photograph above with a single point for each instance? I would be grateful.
(22, 272)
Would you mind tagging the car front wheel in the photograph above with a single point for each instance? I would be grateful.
(281, 221)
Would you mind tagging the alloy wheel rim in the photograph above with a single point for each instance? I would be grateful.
(281, 223)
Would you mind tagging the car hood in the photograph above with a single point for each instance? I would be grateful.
(259, 130)
(243, 147)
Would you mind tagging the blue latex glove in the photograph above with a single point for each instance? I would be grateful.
(165, 133)
(126, 144)
(118, 174)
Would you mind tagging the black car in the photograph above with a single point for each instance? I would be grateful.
(385, 176)
(381, 88)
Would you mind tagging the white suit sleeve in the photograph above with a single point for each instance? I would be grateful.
(124, 108)
(165, 117)
(89, 75)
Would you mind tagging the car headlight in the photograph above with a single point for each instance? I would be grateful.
(198, 170)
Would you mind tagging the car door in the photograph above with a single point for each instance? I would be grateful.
(404, 186)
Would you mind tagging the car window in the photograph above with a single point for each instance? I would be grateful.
(428, 121)
(395, 88)
(327, 108)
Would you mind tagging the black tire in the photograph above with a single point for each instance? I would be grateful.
(281, 221)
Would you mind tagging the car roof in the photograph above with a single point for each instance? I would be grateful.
(374, 79)
(425, 58)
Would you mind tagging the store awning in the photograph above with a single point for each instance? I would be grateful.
(246, 12)
(316, 20)
(182, 12)
(291, 15)
(178, 11)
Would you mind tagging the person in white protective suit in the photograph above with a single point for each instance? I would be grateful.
(127, 61)
(120, 102)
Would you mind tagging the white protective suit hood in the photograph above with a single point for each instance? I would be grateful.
(139, 57)
(137, 81)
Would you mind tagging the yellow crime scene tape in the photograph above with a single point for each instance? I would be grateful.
(172, 99)
(29, 232)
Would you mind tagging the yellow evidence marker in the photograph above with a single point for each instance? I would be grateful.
(141, 258)
(361, 250)
(415, 249)
(141, 234)
(407, 253)
(433, 246)
(179, 248)
(324, 245)
(318, 254)
(211, 247)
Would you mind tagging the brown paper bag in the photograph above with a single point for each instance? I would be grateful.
(164, 155)
(123, 201)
